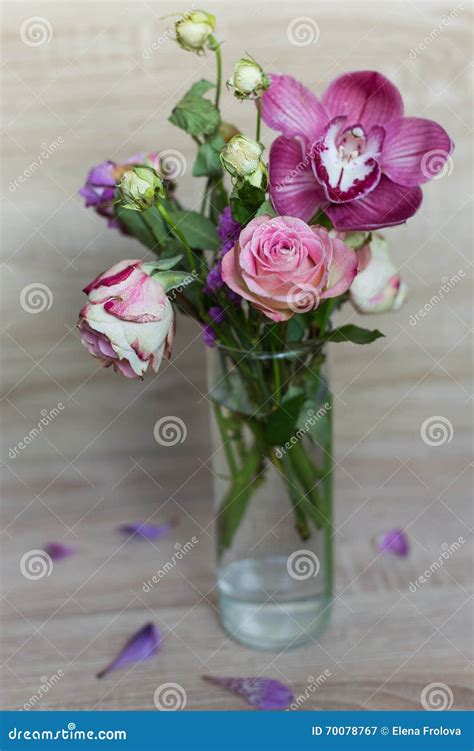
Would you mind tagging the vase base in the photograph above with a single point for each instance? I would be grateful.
(262, 607)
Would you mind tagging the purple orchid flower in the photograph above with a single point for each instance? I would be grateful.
(57, 551)
(141, 646)
(396, 542)
(352, 155)
(262, 693)
(146, 531)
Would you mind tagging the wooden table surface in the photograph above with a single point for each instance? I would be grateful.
(102, 85)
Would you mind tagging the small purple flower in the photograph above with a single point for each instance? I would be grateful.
(227, 228)
(144, 644)
(146, 531)
(217, 314)
(208, 336)
(262, 693)
(99, 189)
(57, 551)
(234, 297)
(395, 541)
(214, 280)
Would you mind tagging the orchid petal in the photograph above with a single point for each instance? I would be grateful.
(389, 204)
(415, 150)
(294, 189)
(262, 693)
(395, 541)
(365, 97)
(141, 646)
(146, 531)
(292, 109)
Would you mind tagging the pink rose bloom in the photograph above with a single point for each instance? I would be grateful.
(352, 153)
(378, 287)
(284, 266)
(128, 321)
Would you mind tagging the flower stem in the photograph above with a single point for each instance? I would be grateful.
(259, 118)
(217, 49)
(169, 221)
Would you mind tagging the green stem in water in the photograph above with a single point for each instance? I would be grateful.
(226, 441)
(259, 118)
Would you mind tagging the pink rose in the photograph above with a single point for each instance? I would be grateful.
(377, 287)
(283, 266)
(128, 321)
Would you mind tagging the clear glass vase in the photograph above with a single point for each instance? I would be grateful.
(272, 468)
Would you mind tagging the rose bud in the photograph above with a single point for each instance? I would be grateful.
(194, 29)
(128, 321)
(248, 80)
(140, 187)
(241, 157)
(377, 287)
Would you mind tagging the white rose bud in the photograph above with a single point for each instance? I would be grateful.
(241, 157)
(248, 80)
(377, 288)
(140, 187)
(194, 29)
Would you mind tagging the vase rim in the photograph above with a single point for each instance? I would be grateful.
(292, 349)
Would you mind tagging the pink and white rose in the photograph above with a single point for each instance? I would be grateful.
(282, 266)
(378, 287)
(128, 321)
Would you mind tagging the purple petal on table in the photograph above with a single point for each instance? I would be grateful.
(57, 551)
(141, 646)
(262, 693)
(146, 531)
(395, 541)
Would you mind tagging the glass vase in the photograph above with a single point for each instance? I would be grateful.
(272, 473)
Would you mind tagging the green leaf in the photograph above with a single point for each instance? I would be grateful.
(245, 202)
(234, 505)
(136, 224)
(199, 231)
(164, 264)
(354, 334)
(266, 208)
(281, 424)
(173, 279)
(207, 160)
(194, 114)
(296, 328)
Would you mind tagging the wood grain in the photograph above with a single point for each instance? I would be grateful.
(104, 84)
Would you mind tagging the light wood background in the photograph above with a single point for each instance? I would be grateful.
(97, 465)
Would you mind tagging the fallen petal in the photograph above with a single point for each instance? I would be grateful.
(141, 646)
(262, 693)
(57, 551)
(146, 531)
(395, 541)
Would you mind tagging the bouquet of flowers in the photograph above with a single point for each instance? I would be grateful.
(278, 246)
